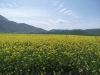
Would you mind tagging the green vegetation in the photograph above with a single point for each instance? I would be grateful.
(7, 26)
(27, 54)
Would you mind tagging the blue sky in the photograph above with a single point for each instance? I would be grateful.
(53, 14)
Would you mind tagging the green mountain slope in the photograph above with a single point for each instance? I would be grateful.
(13, 27)
(7, 26)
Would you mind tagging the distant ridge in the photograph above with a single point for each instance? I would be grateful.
(7, 26)
(3, 18)
(76, 32)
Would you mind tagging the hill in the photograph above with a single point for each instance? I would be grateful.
(75, 32)
(7, 26)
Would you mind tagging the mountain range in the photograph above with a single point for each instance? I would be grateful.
(7, 26)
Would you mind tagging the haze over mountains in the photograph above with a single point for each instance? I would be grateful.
(13, 27)
(7, 26)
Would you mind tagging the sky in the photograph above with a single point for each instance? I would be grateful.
(53, 14)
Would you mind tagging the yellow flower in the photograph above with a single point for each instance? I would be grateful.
(93, 71)
(80, 70)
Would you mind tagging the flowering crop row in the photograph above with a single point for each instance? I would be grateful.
(37, 54)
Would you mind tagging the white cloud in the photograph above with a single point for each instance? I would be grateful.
(57, 21)
(15, 4)
(56, 3)
(68, 11)
(50, 23)
(27, 12)
(37, 17)
(61, 21)
(28, 15)
(39, 22)
(77, 16)
(71, 13)
(10, 5)
(60, 6)
(62, 10)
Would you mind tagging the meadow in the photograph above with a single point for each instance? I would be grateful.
(49, 54)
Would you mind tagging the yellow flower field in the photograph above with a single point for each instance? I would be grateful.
(49, 54)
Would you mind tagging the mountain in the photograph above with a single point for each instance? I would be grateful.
(3, 18)
(79, 32)
(75, 32)
(7, 26)
(93, 31)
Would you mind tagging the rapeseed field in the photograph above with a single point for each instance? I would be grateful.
(49, 54)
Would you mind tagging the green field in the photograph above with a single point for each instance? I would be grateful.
(49, 54)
